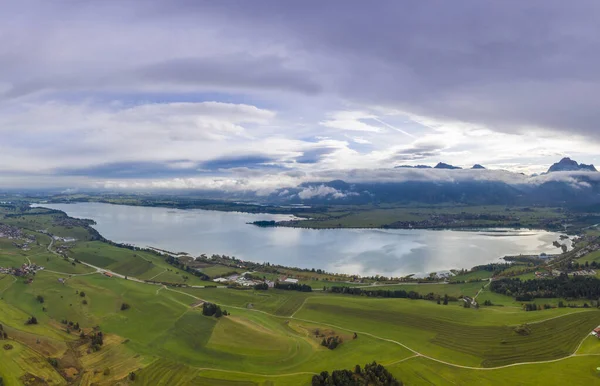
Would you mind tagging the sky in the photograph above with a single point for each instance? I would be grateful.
(257, 95)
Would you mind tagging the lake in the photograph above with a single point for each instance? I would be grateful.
(353, 251)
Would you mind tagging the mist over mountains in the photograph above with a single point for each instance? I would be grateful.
(567, 183)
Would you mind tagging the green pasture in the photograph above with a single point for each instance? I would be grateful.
(278, 302)
(570, 371)
(470, 337)
(456, 290)
(139, 264)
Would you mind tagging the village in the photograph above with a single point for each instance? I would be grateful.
(24, 270)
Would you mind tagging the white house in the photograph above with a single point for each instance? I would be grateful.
(293, 281)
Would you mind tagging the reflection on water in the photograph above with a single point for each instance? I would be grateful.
(354, 251)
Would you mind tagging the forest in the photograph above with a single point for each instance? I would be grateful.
(557, 287)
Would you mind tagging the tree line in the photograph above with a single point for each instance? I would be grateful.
(293, 287)
(401, 294)
(558, 287)
(174, 261)
(372, 374)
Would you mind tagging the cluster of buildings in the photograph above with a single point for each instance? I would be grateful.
(541, 274)
(556, 272)
(246, 280)
(24, 270)
(584, 272)
(64, 239)
(14, 233)
(10, 232)
(596, 332)
(594, 246)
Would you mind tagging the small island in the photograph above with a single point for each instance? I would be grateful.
(265, 223)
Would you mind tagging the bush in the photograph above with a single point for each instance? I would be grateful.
(124, 306)
(261, 287)
(210, 309)
(32, 320)
(53, 362)
(331, 342)
(82, 294)
(40, 298)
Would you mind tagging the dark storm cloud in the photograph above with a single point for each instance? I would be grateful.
(508, 65)
(267, 72)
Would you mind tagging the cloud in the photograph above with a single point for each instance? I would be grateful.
(54, 135)
(320, 191)
(161, 94)
(233, 72)
(232, 162)
(313, 156)
(351, 120)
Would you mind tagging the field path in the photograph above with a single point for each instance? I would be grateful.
(482, 288)
(70, 274)
(158, 274)
(415, 352)
(14, 281)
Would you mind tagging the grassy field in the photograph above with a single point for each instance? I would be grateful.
(473, 337)
(20, 365)
(369, 216)
(260, 344)
(277, 302)
(139, 264)
(456, 290)
(572, 371)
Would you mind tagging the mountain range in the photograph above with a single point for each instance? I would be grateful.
(567, 183)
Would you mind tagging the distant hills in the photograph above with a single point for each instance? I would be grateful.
(440, 165)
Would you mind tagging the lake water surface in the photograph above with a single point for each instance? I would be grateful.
(353, 251)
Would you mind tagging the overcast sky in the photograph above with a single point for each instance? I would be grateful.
(260, 94)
